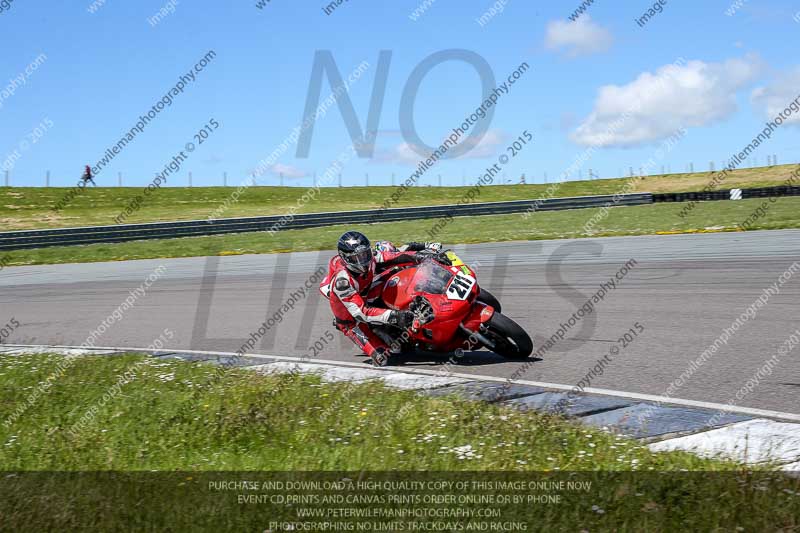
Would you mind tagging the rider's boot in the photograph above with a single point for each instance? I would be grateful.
(394, 345)
(380, 357)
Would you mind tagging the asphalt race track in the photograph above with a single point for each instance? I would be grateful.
(684, 290)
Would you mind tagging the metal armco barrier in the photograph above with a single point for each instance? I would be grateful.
(17, 240)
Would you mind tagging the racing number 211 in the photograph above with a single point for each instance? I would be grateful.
(461, 285)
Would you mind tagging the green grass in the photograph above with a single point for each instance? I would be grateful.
(30, 208)
(169, 418)
(174, 417)
(639, 220)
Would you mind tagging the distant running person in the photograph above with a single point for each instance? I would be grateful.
(87, 176)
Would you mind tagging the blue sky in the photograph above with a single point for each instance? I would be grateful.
(102, 70)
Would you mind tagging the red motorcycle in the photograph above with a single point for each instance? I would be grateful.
(452, 314)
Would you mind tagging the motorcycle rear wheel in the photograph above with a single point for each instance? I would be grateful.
(509, 338)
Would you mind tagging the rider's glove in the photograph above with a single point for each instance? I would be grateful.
(436, 255)
(422, 255)
(401, 319)
(434, 246)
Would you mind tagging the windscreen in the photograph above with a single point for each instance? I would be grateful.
(432, 278)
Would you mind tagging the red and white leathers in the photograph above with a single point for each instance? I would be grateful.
(350, 299)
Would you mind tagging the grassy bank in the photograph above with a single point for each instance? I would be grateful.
(30, 208)
(172, 416)
(639, 220)
(169, 418)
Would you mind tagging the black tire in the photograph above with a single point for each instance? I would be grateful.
(488, 298)
(510, 339)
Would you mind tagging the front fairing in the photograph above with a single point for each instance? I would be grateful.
(450, 292)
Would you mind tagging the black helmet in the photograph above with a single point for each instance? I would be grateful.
(355, 251)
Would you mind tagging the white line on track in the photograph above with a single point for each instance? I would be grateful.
(557, 386)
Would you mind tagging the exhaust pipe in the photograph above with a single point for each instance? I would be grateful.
(481, 338)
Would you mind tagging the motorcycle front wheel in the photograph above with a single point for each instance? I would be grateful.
(488, 298)
(509, 339)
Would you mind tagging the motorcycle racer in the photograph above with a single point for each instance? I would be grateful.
(350, 277)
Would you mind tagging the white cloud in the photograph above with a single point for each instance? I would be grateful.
(655, 105)
(774, 98)
(406, 154)
(486, 146)
(402, 154)
(288, 171)
(577, 38)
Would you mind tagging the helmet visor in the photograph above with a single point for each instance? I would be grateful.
(358, 261)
